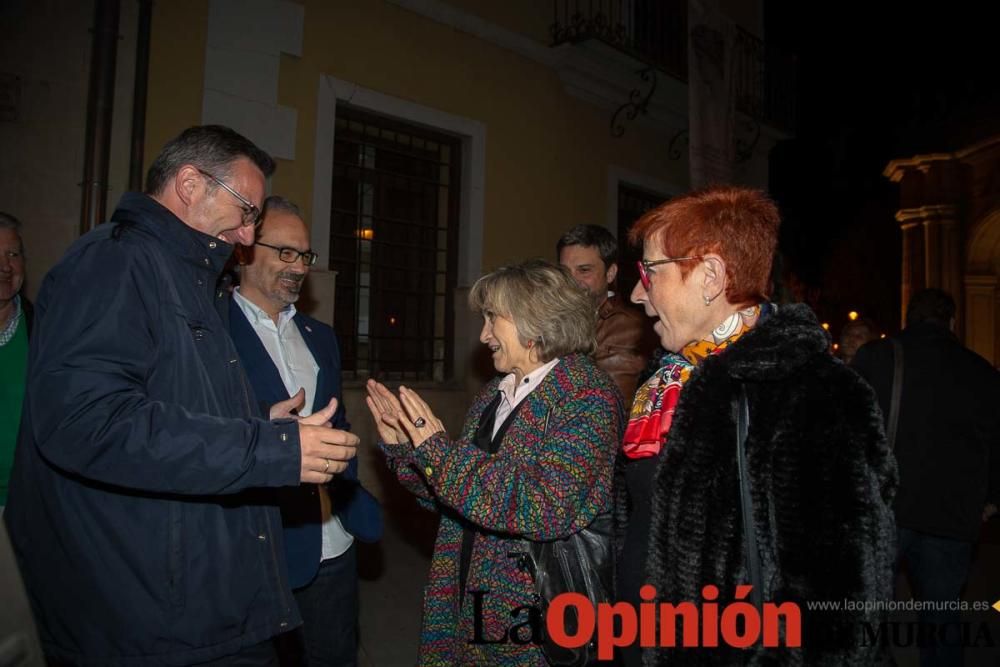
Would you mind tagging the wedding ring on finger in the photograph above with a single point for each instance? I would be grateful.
(327, 468)
(419, 423)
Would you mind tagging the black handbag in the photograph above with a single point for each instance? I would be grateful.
(580, 563)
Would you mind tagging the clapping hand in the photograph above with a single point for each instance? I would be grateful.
(420, 423)
(385, 409)
(404, 419)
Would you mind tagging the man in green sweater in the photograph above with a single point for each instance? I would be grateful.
(15, 323)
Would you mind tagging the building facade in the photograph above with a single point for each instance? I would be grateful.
(428, 141)
(949, 214)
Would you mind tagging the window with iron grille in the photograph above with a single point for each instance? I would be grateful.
(394, 243)
(632, 204)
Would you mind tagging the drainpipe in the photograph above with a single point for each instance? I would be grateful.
(139, 95)
(100, 105)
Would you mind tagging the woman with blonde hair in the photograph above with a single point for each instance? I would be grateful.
(533, 462)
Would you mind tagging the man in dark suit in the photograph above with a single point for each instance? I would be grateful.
(287, 354)
(947, 446)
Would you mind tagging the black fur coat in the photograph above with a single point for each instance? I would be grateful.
(822, 481)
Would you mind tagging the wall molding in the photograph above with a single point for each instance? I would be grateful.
(242, 63)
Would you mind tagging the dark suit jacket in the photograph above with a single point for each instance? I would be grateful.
(359, 512)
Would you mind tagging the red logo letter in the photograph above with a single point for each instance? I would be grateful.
(555, 619)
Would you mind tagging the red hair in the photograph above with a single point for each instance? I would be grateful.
(738, 224)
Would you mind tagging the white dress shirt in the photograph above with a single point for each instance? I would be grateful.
(512, 393)
(298, 370)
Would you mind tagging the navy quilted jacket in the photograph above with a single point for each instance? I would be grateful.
(139, 508)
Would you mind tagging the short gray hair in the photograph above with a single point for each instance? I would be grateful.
(211, 148)
(545, 304)
(7, 221)
(276, 203)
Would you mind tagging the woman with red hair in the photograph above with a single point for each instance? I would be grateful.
(799, 506)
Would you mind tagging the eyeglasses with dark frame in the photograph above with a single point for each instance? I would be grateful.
(291, 255)
(645, 265)
(251, 214)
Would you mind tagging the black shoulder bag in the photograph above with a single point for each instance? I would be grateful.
(580, 563)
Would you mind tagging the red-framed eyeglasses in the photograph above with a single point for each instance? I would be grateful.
(645, 265)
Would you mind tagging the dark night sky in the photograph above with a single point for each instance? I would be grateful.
(876, 81)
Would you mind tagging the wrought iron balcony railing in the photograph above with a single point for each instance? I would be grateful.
(655, 33)
(765, 81)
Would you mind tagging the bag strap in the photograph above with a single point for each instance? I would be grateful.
(746, 501)
(897, 391)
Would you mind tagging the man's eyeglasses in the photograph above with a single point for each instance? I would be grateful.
(645, 265)
(291, 255)
(251, 214)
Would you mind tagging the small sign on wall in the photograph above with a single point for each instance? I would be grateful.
(10, 93)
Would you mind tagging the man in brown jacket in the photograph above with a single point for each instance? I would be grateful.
(624, 339)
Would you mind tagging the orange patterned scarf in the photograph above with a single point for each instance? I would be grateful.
(655, 401)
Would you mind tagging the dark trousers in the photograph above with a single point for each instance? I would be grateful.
(328, 636)
(938, 568)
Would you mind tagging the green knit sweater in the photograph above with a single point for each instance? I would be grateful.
(13, 367)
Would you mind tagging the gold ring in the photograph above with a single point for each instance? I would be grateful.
(327, 468)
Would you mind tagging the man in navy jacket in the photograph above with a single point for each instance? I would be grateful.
(141, 499)
(288, 354)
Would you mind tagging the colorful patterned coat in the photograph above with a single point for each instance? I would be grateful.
(549, 478)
